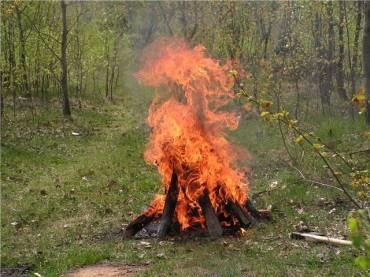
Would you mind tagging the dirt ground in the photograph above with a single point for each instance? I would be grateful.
(106, 270)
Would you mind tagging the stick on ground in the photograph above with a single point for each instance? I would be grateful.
(318, 238)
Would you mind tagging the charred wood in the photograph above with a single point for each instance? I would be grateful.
(169, 207)
(257, 214)
(251, 209)
(213, 225)
(137, 224)
(245, 219)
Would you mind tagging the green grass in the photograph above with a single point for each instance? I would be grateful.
(64, 199)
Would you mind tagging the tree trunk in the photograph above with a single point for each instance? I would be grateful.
(78, 61)
(321, 74)
(330, 68)
(113, 69)
(107, 80)
(353, 60)
(107, 57)
(298, 100)
(22, 51)
(366, 59)
(111, 82)
(2, 94)
(151, 26)
(356, 45)
(37, 78)
(63, 61)
(340, 64)
(117, 78)
(11, 64)
(94, 81)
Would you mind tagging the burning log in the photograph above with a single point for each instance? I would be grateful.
(169, 206)
(213, 225)
(136, 225)
(245, 219)
(251, 209)
(257, 214)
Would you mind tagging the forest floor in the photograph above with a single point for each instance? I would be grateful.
(66, 197)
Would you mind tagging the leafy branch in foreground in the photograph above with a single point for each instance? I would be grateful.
(359, 225)
(359, 178)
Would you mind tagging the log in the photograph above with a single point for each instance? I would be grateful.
(136, 225)
(264, 214)
(257, 214)
(245, 219)
(318, 238)
(213, 225)
(251, 209)
(169, 207)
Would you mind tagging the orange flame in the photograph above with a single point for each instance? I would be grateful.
(188, 129)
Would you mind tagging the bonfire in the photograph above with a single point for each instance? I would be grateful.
(203, 189)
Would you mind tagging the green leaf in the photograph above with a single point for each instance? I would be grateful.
(367, 246)
(363, 262)
(352, 224)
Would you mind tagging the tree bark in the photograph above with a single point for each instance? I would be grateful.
(340, 64)
(22, 51)
(113, 69)
(78, 60)
(356, 45)
(355, 52)
(321, 73)
(11, 64)
(329, 66)
(63, 61)
(366, 59)
(107, 57)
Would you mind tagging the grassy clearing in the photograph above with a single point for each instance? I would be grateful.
(65, 198)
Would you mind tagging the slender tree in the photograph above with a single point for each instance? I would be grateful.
(340, 64)
(321, 71)
(330, 67)
(366, 59)
(22, 50)
(356, 46)
(353, 61)
(63, 61)
(78, 57)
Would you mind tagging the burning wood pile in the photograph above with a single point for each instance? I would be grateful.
(203, 188)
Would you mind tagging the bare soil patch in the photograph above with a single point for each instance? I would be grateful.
(107, 270)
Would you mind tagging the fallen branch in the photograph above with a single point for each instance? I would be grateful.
(312, 237)
(304, 179)
(259, 193)
(359, 152)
